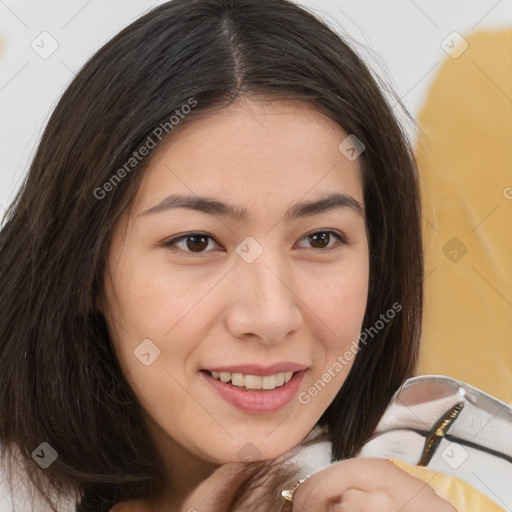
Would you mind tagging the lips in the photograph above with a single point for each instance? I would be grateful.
(257, 389)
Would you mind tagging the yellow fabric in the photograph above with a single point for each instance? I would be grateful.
(465, 160)
(463, 497)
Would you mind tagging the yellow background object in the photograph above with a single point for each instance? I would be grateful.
(465, 160)
(463, 497)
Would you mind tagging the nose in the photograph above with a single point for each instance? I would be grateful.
(265, 305)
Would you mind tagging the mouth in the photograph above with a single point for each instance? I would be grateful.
(253, 382)
(255, 394)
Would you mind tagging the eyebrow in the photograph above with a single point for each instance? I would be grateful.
(214, 207)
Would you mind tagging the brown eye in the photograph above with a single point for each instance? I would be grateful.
(193, 242)
(197, 243)
(321, 239)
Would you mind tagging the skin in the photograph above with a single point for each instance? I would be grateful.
(297, 302)
(367, 485)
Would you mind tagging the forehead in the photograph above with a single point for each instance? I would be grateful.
(254, 147)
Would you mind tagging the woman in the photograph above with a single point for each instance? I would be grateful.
(215, 257)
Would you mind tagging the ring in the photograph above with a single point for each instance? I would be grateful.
(287, 494)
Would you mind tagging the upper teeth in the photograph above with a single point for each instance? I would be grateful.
(254, 381)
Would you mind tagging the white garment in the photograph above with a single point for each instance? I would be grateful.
(313, 457)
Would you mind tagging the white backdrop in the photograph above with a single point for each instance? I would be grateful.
(404, 40)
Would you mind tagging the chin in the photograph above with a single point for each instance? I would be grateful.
(259, 449)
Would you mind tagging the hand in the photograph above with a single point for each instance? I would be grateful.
(366, 485)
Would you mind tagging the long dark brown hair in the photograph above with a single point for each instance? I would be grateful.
(60, 382)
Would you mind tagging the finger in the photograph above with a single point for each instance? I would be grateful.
(352, 500)
(355, 500)
(375, 476)
(330, 485)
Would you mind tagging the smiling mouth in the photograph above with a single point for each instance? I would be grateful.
(253, 382)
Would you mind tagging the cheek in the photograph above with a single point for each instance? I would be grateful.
(342, 316)
(339, 300)
(156, 296)
(338, 307)
(154, 328)
(147, 300)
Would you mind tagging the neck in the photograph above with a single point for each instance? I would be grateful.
(185, 471)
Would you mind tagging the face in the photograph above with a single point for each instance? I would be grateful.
(235, 325)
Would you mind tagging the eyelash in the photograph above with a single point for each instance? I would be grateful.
(340, 237)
